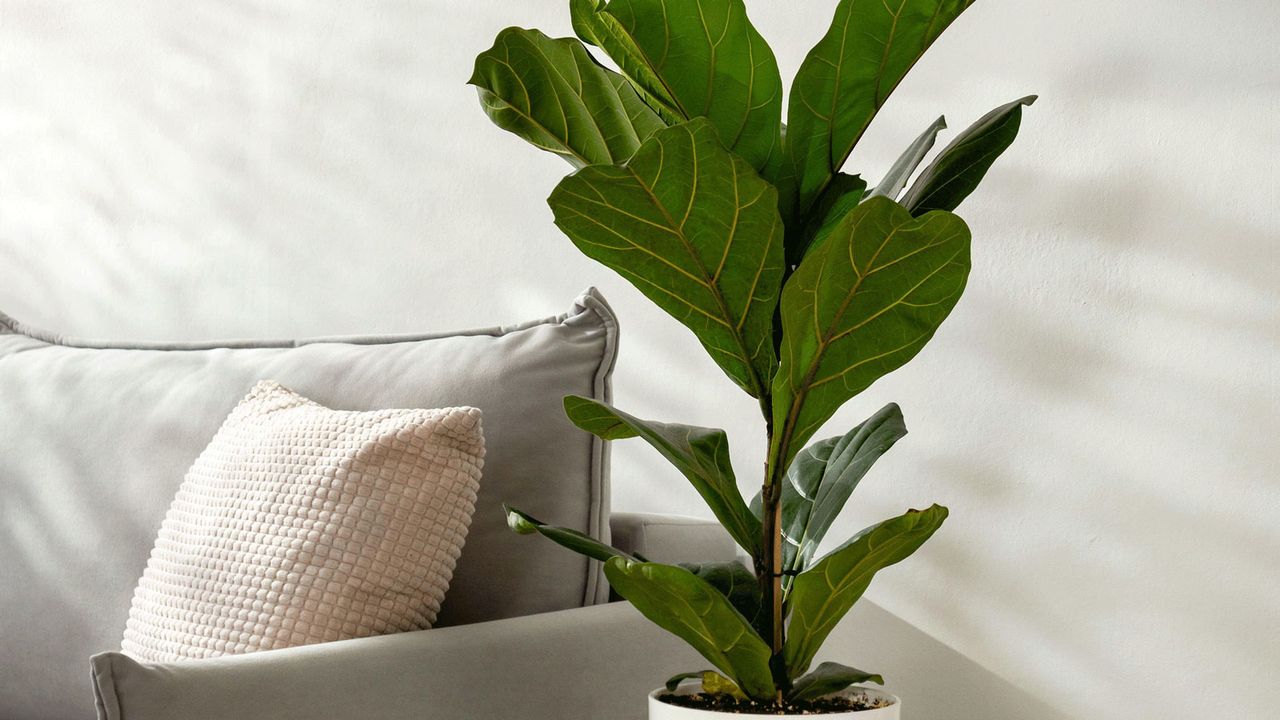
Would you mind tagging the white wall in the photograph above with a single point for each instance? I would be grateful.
(1100, 413)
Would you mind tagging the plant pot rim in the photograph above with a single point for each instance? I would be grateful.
(689, 687)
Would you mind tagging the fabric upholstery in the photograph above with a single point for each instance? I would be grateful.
(95, 438)
(299, 524)
(595, 663)
(672, 538)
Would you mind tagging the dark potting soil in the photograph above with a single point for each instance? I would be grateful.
(730, 704)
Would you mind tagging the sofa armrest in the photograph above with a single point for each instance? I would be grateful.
(589, 663)
(672, 538)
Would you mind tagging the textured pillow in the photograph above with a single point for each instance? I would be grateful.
(299, 524)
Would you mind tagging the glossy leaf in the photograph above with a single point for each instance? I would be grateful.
(859, 306)
(958, 169)
(712, 682)
(823, 594)
(824, 475)
(579, 542)
(697, 231)
(896, 179)
(604, 31)
(689, 607)
(700, 454)
(710, 60)
(828, 678)
(847, 77)
(736, 583)
(551, 93)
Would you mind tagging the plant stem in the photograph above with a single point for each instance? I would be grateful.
(769, 569)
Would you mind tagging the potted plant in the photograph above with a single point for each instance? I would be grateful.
(803, 285)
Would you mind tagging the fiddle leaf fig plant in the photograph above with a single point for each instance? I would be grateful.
(803, 284)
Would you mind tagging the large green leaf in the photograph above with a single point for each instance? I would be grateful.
(694, 228)
(703, 57)
(700, 454)
(859, 306)
(824, 475)
(682, 603)
(735, 582)
(846, 78)
(896, 179)
(823, 594)
(604, 31)
(551, 93)
(827, 678)
(958, 169)
(577, 541)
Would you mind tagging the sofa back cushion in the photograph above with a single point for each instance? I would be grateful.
(95, 438)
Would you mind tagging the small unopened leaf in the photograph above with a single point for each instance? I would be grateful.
(574, 540)
(712, 682)
(900, 173)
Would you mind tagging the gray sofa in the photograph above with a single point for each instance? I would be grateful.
(96, 436)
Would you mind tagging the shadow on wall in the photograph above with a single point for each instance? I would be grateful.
(934, 681)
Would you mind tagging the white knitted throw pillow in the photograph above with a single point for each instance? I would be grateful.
(299, 524)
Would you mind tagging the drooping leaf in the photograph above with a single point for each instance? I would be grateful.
(574, 540)
(824, 475)
(958, 169)
(684, 604)
(823, 594)
(697, 231)
(712, 682)
(551, 93)
(604, 31)
(842, 195)
(859, 306)
(700, 454)
(896, 179)
(736, 583)
(847, 77)
(709, 59)
(827, 678)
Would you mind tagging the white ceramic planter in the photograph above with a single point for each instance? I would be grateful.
(659, 710)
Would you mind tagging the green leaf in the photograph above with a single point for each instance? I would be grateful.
(824, 475)
(604, 31)
(551, 93)
(828, 678)
(848, 76)
(958, 169)
(683, 604)
(844, 194)
(697, 231)
(712, 682)
(706, 57)
(823, 594)
(900, 172)
(583, 544)
(700, 454)
(736, 583)
(859, 306)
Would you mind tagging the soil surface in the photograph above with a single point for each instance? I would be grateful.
(730, 704)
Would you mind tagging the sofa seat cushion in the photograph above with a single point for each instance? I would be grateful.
(95, 438)
(299, 524)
